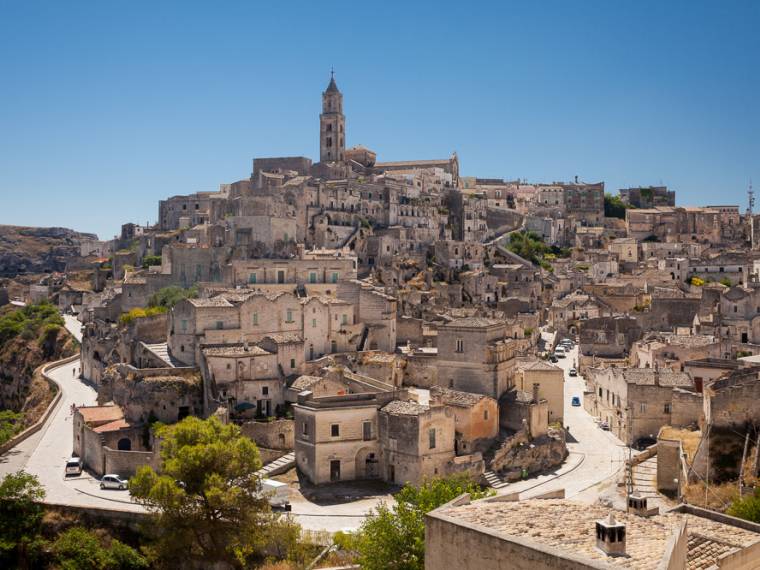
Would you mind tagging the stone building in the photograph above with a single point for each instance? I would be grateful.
(546, 534)
(353, 427)
(475, 355)
(648, 197)
(637, 402)
(549, 380)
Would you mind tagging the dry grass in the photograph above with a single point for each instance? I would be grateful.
(718, 497)
(689, 439)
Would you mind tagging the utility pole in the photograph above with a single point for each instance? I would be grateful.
(741, 469)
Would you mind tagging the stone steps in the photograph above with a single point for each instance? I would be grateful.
(278, 466)
(494, 480)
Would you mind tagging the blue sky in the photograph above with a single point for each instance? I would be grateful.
(107, 107)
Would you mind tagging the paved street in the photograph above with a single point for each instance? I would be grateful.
(596, 456)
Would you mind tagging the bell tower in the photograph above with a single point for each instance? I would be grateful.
(332, 124)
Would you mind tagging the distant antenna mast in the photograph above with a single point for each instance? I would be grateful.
(750, 199)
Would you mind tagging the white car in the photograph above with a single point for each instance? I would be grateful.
(113, 482)
(74, 466)
(276, 492)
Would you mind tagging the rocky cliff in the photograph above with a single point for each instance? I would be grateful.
(38, 250)
(29, 337)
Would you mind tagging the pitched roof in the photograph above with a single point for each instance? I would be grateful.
(100, 414)
(402, 408)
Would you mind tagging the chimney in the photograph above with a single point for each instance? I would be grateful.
(610, 536)
(637, 505)
(576, 179)
(535, 393)
(246, 348)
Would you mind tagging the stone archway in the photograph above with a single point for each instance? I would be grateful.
(367, 464)
(124, 444)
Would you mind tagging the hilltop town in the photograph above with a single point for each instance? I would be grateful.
(591, 356)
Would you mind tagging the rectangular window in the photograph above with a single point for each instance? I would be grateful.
(255, 319)
(305, 428)
(184, 325)
(292, 362)
(431, 438)
(643, 407)
(485, 414)
(335, 277)
(252, 278)
(312, 277)
(313, 323)
(667, 408)
(344, 320)
(460, 345)
(265, 391)
(335, 430)
(289, 316)
(219, 325)
(367, 431)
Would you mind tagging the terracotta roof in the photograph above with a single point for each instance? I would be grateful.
(305, 382)
(112, 426)
(474, 322)
(235, 350)
(100, 414)
(285, 338)
(402, 408)
(455, 397)
(538, 365)
(214, 302)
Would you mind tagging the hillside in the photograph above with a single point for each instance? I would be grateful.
(29, 337)
(37, 250)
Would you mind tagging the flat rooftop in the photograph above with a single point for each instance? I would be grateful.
(569, 527)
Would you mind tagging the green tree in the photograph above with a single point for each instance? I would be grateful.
(20, 517)
(528, 245)
(206, 501)
(8, 424)
(80, 549)
(151, 260)
(747, 508)
(614, 207)
(170, 296)
(393, 538)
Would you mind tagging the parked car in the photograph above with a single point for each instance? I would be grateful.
(560, 353)
(553, 359)
(605, 426)
(576, 401)
(74, 466)
(558, 350)
(573, 372)
(276, 492)
(113, 482)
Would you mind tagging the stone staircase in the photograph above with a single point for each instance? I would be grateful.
(278, 466)
(494, 480)
(644, 482)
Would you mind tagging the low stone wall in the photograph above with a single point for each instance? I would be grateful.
(269, 455)
(278, 434)
(126, 463)
(98, 517)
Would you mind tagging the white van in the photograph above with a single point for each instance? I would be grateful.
(74, 466)
(276, 492)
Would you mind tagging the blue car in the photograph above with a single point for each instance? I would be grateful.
(576, 401)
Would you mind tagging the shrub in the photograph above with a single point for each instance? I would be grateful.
(141, 313)
(151, 260)
(170, 296)
(696, 281)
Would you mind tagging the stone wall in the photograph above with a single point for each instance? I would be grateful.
(126, 463)
(278, 434)
(687, 408)
(448, 544)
